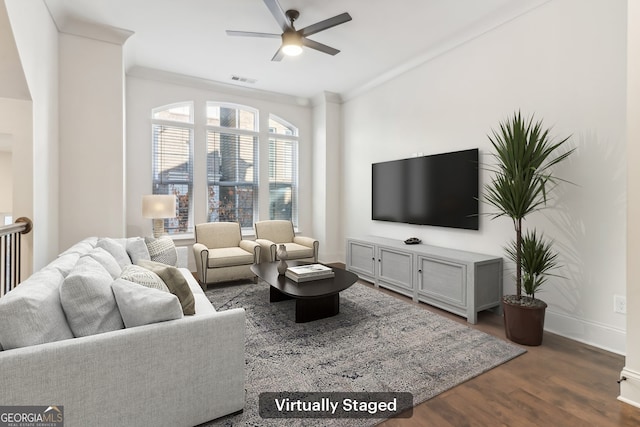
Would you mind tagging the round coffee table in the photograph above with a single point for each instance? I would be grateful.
(315, 299)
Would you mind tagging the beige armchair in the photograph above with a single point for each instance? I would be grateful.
(222, 255)
(270, 234)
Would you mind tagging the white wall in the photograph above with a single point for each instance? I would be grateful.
(327, 176)
(148, 89)
(6, 182)
(36, 165)
(630, 389)
(92, 162)
(565, 62)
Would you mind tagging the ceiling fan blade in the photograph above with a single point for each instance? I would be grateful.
(278, 13)
(319, 46)
(251, 34)
(323, 25)
(279, 55)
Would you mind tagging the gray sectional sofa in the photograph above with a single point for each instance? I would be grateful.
(180, 372)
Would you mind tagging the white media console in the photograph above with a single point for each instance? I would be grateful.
(460, 282)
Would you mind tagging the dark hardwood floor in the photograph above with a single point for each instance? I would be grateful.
(560, 383)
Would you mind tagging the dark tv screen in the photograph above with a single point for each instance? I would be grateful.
(440, 190)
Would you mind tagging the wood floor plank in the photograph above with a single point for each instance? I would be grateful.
(560, 383)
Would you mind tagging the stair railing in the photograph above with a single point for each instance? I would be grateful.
(10, 243)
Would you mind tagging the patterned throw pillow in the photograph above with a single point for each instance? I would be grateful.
(144, 277)
(162, 250)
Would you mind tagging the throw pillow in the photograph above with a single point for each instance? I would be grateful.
(64, 263)
(106, 260)
(87, 299)
(175, 281)
(31, 313)
(144, 277)
(140, 305)
(162, 250)
(137, 249)
(116, 249)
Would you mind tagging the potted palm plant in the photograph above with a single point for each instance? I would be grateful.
(522, 179)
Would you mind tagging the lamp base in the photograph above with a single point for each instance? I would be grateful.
(158, 227)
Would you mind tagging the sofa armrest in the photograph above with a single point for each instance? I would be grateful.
(136, 376)
(253, 247)
(267, 250)
(201, 256)
(310, 243)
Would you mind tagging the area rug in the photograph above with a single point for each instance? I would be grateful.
(377, 343)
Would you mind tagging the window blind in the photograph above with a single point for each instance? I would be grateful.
(232, 177)
(283, 179)
(173, 171)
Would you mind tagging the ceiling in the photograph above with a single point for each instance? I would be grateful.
(384, 38)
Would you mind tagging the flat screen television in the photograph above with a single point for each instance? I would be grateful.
(440, 190)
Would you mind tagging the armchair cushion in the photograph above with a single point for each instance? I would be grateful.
(270, 234)
(219, 234)
(277, 231)
(296, 251)
(225, 257)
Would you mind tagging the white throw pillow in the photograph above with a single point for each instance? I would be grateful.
(88, 301)
(140, 305)
(116, 249)
(31, 313)
(106, 260)
(137, 249)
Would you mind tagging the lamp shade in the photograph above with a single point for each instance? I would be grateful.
(159, 206)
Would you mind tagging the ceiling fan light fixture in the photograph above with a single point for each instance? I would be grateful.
(291, 44)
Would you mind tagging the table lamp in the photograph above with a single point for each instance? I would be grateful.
(158, 207)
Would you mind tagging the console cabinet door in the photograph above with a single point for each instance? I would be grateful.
(395, 270)
(442, 281)
(361, 258)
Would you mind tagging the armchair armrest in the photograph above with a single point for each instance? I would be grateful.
(267, 250)
(305, 241)
(253, 247)
(310, 243)
(201, 256)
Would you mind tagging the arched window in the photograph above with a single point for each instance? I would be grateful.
(283, 170)
(172, 161)
(231, 148)
(232, 163)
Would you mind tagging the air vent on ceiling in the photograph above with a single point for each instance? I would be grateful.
(243, 79)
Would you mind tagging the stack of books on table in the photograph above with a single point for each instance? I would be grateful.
(306, 273)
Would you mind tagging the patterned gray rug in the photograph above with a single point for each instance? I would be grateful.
(377, 343)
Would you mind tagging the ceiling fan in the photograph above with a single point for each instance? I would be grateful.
(292, 39)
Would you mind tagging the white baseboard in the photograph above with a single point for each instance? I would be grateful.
(591, 333)
(630, 388)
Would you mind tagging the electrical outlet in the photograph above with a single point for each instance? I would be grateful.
(620, 304)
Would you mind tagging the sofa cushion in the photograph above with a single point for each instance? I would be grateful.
(31, 313)
(137, 249)
(65, 263)
(140, 305)
(88, 301)
(116, 249)
(162, 250)
(106, 260)
(82, 247)
(143, 276)
(175, 281)
(225, 257)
